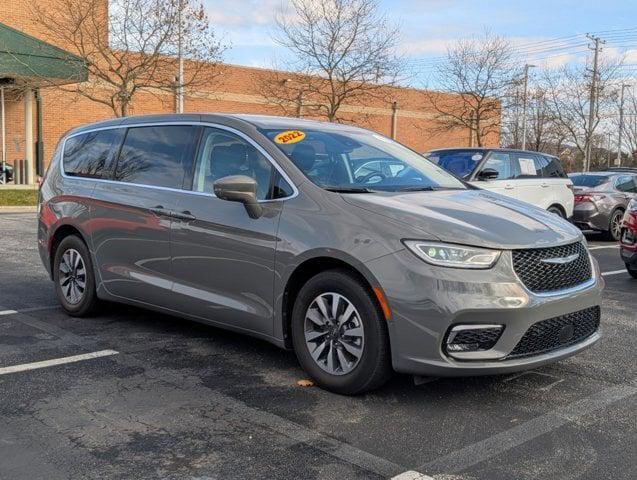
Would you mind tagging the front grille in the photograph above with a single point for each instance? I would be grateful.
(557, 332)
(539, 275)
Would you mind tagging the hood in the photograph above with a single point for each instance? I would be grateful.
(471, 217)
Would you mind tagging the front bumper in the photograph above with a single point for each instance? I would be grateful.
(426, 301)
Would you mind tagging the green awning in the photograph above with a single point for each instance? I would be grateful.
(25, 59)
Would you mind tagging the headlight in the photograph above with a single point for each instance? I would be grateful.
(454, 256)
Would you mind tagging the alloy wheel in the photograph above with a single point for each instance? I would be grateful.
(72, 276)
(334, 333)
(616, 224)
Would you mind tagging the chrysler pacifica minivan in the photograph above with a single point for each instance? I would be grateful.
(337, 242)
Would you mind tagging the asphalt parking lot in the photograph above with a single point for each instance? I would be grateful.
(152, 396)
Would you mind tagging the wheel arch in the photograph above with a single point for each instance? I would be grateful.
(560, 207)
(60, 234)
(310, 267)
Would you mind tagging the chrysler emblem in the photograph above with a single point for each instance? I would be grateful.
(561, 260)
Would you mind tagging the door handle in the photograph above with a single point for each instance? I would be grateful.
(508, 186)
(544, 185)
(159, 210)
(185, 215)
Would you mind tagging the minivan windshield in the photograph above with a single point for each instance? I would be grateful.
(354, 161)
(585, 180)
(459, 162)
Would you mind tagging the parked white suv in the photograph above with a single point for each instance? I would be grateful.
(532, 177)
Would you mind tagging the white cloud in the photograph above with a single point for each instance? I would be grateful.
(426, 46)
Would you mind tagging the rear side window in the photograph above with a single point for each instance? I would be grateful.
(91, 154)
(528, 166)
(160, 156)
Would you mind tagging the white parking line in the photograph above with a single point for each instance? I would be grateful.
(614, 272)
(506, 440)
(56, 361)
(8, 312)
(599, 247)
(412, 475)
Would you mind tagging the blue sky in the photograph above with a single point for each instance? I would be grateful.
(429, 25)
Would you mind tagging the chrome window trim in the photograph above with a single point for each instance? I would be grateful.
(247, 138)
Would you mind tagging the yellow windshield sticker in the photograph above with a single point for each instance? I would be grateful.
(289, 136)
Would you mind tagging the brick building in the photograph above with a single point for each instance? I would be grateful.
(235, 91)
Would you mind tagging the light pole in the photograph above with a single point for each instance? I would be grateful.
(179, 107)
(524, 100)
(618, 160)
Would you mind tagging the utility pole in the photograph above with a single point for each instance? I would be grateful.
(592, 101)
(179, 104)
(524, 101)
(394, 120)
(610, 142)
(618, 161)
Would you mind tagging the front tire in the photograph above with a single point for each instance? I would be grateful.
(73, 277)
(339, 334)
(632, 271)
(555, 210)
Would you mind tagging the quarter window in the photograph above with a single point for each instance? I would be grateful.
(90, 154)
(553, 168)
(222, 153)
(160, 156)
(626, 183)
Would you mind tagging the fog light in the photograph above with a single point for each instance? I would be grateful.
(473, 338)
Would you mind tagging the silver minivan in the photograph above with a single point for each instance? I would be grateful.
(332, 240)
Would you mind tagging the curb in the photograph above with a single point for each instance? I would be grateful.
(19, 209)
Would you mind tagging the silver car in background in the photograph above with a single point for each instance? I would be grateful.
(328, 239)
(601, 199)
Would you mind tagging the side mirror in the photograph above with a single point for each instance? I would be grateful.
(239, 188)
(488, 174)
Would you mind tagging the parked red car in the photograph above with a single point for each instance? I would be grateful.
(628, 241)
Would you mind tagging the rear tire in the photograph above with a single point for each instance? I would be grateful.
(73, 277)
(614, 226)
(358, 342)
(632, 271)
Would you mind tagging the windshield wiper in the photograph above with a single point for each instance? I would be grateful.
(349, 189)
(418, 189)
(427, 189)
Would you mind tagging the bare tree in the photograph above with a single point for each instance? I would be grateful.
(131, 45)
(343, 51)
(567, 96)
(542, 129)
(629, 127)
(473, 82)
